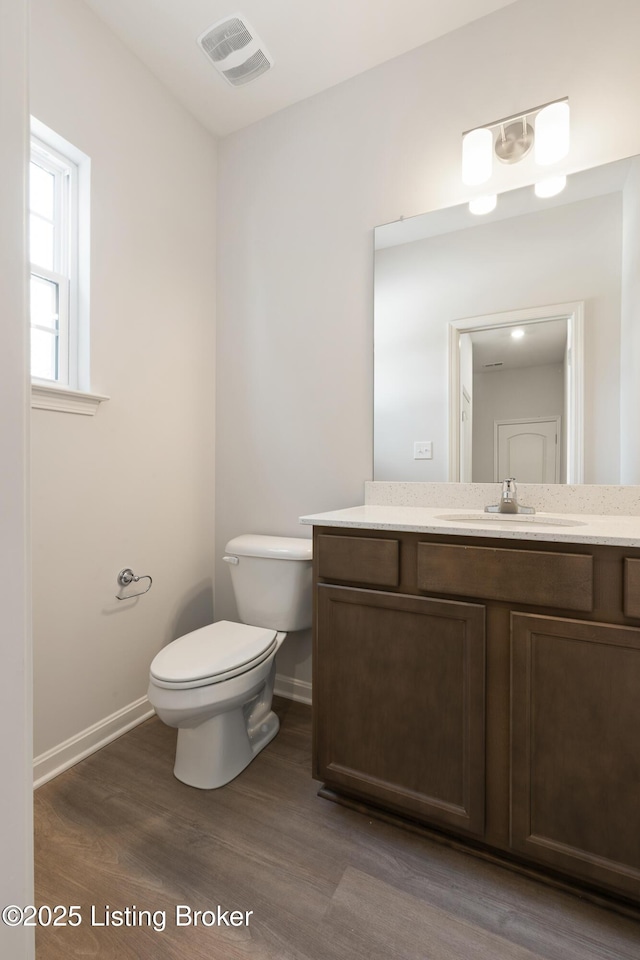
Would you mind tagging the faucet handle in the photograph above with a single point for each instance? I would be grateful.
(509, 500)
(509, 489)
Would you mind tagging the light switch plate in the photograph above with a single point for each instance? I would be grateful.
(423, 450)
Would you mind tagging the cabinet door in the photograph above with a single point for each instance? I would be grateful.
(575, 763)
(399, 703)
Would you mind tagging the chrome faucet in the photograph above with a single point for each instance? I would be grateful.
(509, 500)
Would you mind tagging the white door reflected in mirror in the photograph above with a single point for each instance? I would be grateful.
(527, 449)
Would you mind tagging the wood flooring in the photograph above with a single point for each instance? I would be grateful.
(323, 882)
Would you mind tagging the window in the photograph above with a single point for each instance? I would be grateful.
(59, 255)
(53, 193)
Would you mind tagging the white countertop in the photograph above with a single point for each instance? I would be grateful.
(589, 528)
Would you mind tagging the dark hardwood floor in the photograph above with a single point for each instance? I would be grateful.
(322, 881)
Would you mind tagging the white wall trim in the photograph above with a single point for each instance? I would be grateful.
(55, 761)
(292, 689)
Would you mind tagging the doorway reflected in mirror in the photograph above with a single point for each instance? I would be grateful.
(516, 396)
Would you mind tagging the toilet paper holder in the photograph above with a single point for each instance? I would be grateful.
(127, 576)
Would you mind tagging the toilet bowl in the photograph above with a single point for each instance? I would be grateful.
(215, 684)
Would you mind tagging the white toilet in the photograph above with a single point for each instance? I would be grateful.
(216, 684)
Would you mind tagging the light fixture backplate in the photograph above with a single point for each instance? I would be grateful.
(514, 142)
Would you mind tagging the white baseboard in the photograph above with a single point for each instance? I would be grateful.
(55, 761)
(292, 689)
(48, 765)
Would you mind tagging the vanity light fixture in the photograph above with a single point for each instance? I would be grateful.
(552, 133)
(545, 129)
(481, 205)
(550, 187)
(476, 156)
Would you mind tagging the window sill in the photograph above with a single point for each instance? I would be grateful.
(47, 396)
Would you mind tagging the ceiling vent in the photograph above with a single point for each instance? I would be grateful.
(235, 50)
(496, 363)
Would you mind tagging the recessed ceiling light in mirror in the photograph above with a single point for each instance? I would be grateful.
(518, 333)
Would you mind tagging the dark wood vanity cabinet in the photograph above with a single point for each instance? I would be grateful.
(487, 689)
(575, 747)
(402, 708)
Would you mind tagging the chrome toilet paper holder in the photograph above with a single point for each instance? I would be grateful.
(126, 577)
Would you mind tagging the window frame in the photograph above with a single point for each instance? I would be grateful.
(71, 391)
(65, 259)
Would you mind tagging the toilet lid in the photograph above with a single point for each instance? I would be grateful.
(219, 648)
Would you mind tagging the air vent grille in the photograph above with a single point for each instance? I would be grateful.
(498, 363)
(225, 39)
(235, 50)
(252, 68)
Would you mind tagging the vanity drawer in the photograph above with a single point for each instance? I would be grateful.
(359, 560)
(516, 576)
(632, 588)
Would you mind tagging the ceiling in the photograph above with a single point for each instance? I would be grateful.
(541, 344)
(314, 44)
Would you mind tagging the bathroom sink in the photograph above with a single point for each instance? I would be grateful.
(535, 519)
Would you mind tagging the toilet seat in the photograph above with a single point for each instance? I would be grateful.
(212, 654)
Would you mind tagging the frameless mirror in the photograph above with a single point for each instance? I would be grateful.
(498, 340)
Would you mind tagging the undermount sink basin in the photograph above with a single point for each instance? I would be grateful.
(537, 519)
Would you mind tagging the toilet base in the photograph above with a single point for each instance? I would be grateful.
(212, 754)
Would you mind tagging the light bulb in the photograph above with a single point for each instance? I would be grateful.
(552, 133)
(480, 205)
(477, 156)
(550, 187)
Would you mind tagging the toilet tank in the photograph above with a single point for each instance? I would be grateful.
(271, 578)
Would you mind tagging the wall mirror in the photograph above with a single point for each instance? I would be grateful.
(498, 339)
